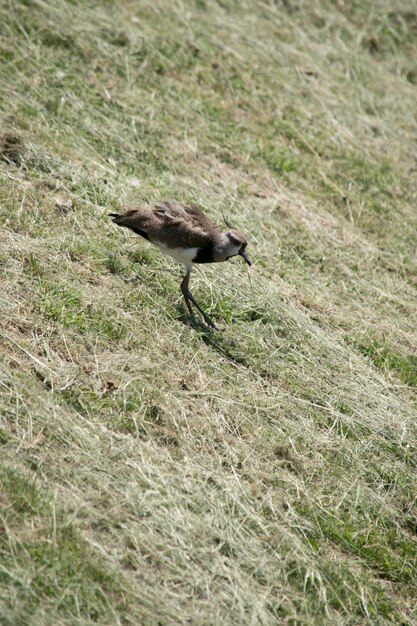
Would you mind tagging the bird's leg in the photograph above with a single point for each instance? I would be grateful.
(188, 297)
(185, 292)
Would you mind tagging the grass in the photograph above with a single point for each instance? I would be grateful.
(151, 469)
(50, 571)
(387, 358)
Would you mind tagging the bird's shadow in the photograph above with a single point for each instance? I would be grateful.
(215, 338)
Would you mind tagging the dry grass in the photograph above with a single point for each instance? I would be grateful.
(154, 473)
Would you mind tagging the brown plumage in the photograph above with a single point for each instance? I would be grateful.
(186, 234)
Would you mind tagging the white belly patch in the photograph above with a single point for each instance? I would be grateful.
(182, 255)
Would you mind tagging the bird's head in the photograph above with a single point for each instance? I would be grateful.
(236, 244)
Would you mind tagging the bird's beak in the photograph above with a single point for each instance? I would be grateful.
(245, 256)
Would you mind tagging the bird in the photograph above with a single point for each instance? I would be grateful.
(186, 234)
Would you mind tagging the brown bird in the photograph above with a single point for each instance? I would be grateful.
(186, 234)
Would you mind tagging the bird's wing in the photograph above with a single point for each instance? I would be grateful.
(135, 218)
(191, 214)
(170, 223)
(185, 225)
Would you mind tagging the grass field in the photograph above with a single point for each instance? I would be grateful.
(156, 473)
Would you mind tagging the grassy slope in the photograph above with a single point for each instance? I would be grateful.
(154, 473)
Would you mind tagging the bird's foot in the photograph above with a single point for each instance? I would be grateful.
(209, 322)
(189, 299)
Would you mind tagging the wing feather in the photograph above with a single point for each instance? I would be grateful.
(171, 223)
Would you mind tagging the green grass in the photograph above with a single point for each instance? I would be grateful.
(151, 468)
(44, 559)
(387, 358)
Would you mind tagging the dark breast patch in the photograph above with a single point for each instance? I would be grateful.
(204, 255)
